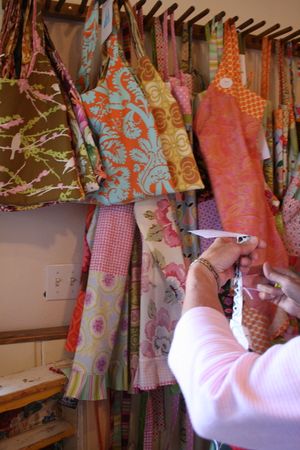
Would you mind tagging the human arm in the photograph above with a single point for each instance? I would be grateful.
(287, 296)
(232, 395)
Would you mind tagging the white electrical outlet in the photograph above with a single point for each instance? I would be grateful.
(62, 281)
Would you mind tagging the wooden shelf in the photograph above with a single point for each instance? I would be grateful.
(38, 334)
(39, 436)
(21, 388)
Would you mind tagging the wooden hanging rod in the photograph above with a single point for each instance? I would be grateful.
(70, 11)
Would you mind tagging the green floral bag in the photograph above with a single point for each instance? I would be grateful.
(37, 164)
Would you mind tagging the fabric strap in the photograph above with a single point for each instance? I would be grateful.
(136, 35)
(159, 46)
(89, 41)
(266, 66)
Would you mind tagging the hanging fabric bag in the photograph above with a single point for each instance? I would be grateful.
(37, 160)
(175, 142)
(120, 117)
(87, 154)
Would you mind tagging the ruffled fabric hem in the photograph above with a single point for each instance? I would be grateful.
(152, 374)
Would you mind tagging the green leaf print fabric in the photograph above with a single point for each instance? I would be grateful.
(37, 164)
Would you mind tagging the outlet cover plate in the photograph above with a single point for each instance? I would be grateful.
(62, 281)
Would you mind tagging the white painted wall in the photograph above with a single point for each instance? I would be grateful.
(53, 235)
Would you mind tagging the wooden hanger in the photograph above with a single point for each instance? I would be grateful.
(198, 17)
(170, 10)
(269, 30)
(245, 24)
(186, 14)
(291, 36)
(233, 20)
(217, 17)
(253, 28)
(139, 4)
(82, 6)
(151, 14)
(280, 32)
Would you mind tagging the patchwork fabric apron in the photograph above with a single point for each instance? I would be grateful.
(103, 304)
(89, 233)
(227, 124)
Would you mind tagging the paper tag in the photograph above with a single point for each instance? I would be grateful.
(106, 21)
(208, 234)
(262, 145)
(226, 83)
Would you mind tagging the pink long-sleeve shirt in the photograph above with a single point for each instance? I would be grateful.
(234, 396)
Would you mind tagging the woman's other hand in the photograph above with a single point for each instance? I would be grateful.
(286, 294)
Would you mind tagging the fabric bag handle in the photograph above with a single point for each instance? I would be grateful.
(33, 40)
(89, 42)
(229, 67)
(158, 45)
(177, 72)
(283, 84)
(140, 21)
(165, 47)
(10, 24)
(10, 31)
(134, 29)
(185, 52)
(266, 67)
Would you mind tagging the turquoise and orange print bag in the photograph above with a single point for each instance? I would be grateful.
(120, 118)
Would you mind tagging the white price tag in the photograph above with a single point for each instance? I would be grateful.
(208, 234)
(226, 83)
(106, 20)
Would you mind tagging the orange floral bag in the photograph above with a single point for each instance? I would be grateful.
(175, 142)
(120, 117)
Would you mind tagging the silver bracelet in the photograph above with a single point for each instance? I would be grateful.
(210, 267)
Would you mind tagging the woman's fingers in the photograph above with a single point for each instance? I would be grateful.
(273, 275)
(286, 272)
(269, 291)
(264, 296)
(249, 246)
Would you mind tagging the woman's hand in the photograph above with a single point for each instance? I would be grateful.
(225, 252)
(201, 285)
(287, 296)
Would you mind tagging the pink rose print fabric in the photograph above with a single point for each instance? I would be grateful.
(162, 290)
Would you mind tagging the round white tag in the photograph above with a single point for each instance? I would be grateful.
(226, 82)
